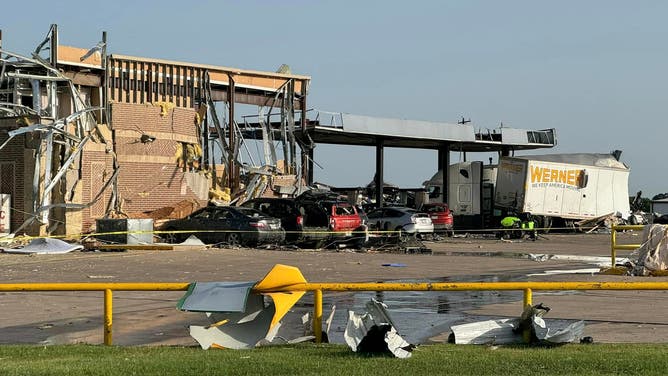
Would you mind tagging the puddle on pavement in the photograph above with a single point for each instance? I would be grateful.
(515, 255)
(418, 315)
(600, 261)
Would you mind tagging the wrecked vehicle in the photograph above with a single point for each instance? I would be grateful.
(284, 209)
(336, 220)
(400, 219)
(313, 223)
(226, 224)
(563, 187)
(441, 217)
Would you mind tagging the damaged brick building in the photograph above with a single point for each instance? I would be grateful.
(86, 135)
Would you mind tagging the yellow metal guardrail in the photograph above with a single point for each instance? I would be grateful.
(108, 289)
(613, 241)
(318, 288)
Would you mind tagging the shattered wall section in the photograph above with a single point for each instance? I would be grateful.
(283, 186)
(151, 175)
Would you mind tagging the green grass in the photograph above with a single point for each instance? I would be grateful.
(310, 359)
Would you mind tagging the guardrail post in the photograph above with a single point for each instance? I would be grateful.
(528, 298)
(108, 319)
(317, 315)
(613, 246)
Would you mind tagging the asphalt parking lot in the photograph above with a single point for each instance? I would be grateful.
(150, 318)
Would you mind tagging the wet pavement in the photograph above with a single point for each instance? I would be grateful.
(420, 315)
(151, 317)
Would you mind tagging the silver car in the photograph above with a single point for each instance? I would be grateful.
(400, 218)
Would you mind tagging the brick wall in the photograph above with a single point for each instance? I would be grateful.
(12, 177)
(150, 177)
(147, 117)
(97, 168)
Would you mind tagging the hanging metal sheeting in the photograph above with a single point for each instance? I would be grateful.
(216, 123)
(290, 120)
(267, 138)
(284, 131)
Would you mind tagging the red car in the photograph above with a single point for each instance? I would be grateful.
(440, 215)
(343, 216)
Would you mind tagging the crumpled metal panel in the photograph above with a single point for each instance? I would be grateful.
(489, 332)
(216, 297)
(374, 331)
(571, 333)
(237, 330)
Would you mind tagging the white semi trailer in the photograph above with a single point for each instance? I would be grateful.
(567, 186)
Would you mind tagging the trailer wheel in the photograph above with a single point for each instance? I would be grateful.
(545, 223)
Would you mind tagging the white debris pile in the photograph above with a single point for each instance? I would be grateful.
(43, 246)
(652, 256)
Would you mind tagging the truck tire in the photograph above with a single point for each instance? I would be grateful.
(170, 237)
(570, 225)
(546, 223)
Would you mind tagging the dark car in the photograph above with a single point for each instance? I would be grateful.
(284, 209)
(226, 224)
(309, 221)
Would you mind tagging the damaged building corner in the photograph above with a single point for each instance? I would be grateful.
(86, 135)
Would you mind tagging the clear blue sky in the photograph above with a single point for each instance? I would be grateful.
(594, 70)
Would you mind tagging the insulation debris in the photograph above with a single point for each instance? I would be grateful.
(165, 107)
(220, 196)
